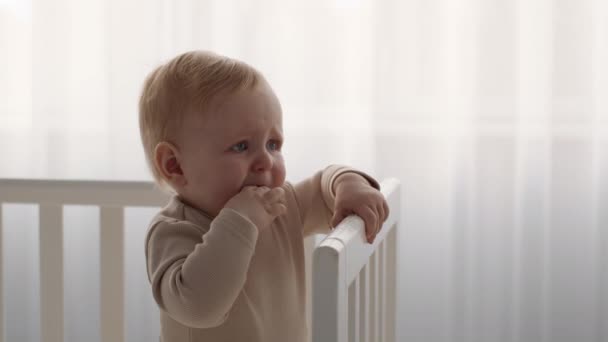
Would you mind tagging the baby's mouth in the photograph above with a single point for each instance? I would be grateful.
(256, 185)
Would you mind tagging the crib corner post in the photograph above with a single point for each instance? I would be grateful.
(330, 312)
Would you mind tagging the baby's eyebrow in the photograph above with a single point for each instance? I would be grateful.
(244, 134)
(278, 132)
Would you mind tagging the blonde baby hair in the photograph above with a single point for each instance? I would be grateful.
(185, 84)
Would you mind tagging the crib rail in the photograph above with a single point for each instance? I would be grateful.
(51, 195)
(114, 194)
(354, 283)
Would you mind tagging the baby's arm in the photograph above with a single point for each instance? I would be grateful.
(196, 279)
(316, 197)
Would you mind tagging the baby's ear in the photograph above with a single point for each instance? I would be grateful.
(167, 162)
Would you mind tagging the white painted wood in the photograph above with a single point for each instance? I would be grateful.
(329, 295)
(111, 239)
(357, 337)
(353, 311)
(66, 192)
(338, 261)
(51, 272)
(382, 287)
(391, 286)
(373, 299)
(309, 246)
(52, 195)
(352, 229)
(341, 259)
(1, 279)
(364, 303)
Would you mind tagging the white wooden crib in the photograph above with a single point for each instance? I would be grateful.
(354, 283)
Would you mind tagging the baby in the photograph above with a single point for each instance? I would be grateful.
(225, 257)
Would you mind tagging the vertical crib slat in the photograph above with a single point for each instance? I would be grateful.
(357, 310)
(330, 310)
(373, 290)
(364, 304)
(353, 311)
(51, 272)
(391, 288)
(1, 279)
(382, 288)
(377, 290)
(111, 236)
(309, 247)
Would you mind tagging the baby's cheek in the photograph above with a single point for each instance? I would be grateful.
(278, 173)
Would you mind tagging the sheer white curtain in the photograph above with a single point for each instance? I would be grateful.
(492, 113)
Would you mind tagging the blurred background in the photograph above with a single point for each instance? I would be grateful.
(493, 114)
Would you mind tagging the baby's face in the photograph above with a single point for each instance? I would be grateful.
(235, 143)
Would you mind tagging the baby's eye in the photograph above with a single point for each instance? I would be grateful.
(240, 147)
(274, 145)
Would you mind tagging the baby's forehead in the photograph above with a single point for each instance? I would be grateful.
(231, 111)
(233, 124)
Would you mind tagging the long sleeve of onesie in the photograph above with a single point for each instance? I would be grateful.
(316, 198)
(197, 279)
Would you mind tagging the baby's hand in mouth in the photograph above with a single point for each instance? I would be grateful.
(260, 204)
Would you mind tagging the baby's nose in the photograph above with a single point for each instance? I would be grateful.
(263, 162)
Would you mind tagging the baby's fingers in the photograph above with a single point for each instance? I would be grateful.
(274, 195)
(381, 214)
(371, 223)
(338, 217)
(276, 209)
